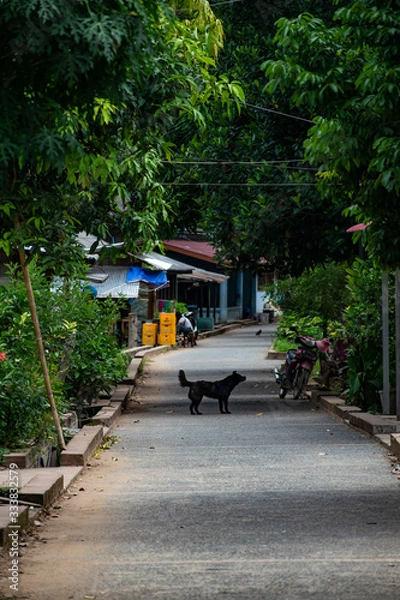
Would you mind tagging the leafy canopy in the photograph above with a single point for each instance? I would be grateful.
(89, 93)
(242, 179)
(348, 77)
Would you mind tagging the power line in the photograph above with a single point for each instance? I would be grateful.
(239, 184)
(225, 2)
(225, 163)
(181, 10)
(231, 162)
(277, 112)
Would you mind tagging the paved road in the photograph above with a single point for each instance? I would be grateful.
(273, 502)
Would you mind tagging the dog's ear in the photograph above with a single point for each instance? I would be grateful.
(234, 372)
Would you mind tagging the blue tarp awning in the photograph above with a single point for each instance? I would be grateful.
(152, 278)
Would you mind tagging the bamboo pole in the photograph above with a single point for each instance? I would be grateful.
(385, 344)
(39, 343)
(397, 328)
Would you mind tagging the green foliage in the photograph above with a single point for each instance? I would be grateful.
(320, 292)
(181, 307)
(364, 330)
(289, 321)
(81, 353)
(96, 362)
(252, 195)
(88, 102)
(355, 316)
(347, 77)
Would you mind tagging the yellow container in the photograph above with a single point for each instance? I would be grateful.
(149, 334)
(167, 319)
(166, 339)
(167, 328)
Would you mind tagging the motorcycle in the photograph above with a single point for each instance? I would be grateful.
(192, 319)
(189, 336)
(335, 368)
(299, 365)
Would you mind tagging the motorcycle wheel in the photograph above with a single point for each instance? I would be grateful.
(282, 393)
(300, 381)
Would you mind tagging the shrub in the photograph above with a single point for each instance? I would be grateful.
(354, 316)
(319, 293)
(364, 330)
(81, 351)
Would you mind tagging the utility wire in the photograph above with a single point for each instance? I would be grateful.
(223, 163)
(225, 2)
(244, 184)
(231, 162)
(277, 112)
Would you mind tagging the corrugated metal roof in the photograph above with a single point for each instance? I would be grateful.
(197, 249)
(164, 263)
(114, 285)
(202, 275)
(184, 270)
(87, 240)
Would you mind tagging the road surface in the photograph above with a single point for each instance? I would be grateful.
(275, 501)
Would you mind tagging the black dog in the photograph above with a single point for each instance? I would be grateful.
(212, 389)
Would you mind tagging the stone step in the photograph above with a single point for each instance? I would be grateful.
(395, 444)
(108, 414)
(121, 394)
(373, 424)
(10, 524)
(80, 449)
(133, 369)
(43, 488)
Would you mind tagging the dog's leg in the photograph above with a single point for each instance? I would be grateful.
(223, 404)
(197, 404)
(194, 407)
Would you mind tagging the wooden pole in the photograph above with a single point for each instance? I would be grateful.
(39, 343)
(397, 328)
(385, 345)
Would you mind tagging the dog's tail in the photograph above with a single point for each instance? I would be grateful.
(183, 380)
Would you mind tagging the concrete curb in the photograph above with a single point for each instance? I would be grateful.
(82, 446)
(43, 489)
(7, 529)
(385, 429)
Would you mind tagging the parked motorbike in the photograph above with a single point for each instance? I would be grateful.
(334, 369)
(299, 364)
(192, 319)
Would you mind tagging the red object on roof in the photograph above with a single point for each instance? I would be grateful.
(358, 227)
(201, 250)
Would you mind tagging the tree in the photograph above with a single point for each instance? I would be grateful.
(242, 179)
(348, 77)
(87, 94)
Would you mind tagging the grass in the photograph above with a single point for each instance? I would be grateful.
(283, 345)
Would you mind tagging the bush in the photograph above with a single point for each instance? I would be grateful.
(364, 330)
(355, 317)
(319, 293)
(81, 351)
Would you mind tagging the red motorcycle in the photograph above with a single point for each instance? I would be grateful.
(299, 364)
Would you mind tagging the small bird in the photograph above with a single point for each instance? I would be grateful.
(259, 332)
